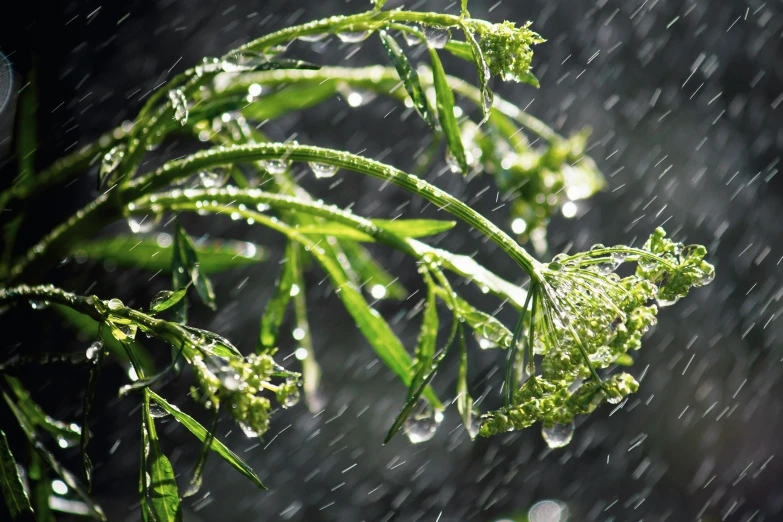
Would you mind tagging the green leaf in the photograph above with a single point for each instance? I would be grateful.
(40, 489)
(530, 79)
(213, 343)
(460, 50)
(89, 396)
(57, 429)
(189, 257)
(198, 470)
(370, 272)
(26, 128)
(292, 97)
(162, 491)
(414, 227)
(330, 228)
(89, 327)
(464, 400)
(146, 253)
(481, 323)
(201, 434)
(408, 75)
(165, 299)
(278, 303)
(13, 491)
(445, 104)
(428, 338)
(465, 8)
(482, 68)
(72, 482)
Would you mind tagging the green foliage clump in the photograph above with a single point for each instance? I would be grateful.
(507, 49)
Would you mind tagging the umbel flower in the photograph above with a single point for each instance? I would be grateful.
(585, 318)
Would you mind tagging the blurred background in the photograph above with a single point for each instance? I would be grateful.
(685, 100)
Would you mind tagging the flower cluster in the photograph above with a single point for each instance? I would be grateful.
(585, 318)
(507, 50)
(236, 383)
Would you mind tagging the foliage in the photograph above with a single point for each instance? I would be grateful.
(576, 315)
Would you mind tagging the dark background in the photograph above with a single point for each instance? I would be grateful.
(685, 103)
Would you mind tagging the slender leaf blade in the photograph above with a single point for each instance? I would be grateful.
(338, 230)
(460, 50)
(190, 258)
(162, 491)
(414, 228)
(370, 272)
(278, 303)
(464, 400)
(11, 484)
(428, 338)
(201, 434)
(37, 416)
(165, 299)
(445, 105)
(408, 75)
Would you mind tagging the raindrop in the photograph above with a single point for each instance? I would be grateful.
(94, 349)
(292, 399)
(244, 61)
(275, 166)
(213, 178)
(484, 343)
(411, 38)
(142, 225)
(38, 305)
(423, 422)
(436, 36)
(353, 36)
(452, 162)
(705, 279)
(323, 170)
(249, 432)
(317, 37)
(157, 412)
(115, 304)
(180, 105)
(547, 511)
(666, 302)
(111, 160)
(558, 435)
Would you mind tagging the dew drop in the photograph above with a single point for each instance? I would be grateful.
(291, 400)
(353, 36)
(558, 435)
(249, 432)
(411, 38)
(111, 160)
(323, 170)
(213, 178)
(436, 36)
(666, 302)
(180, 105)
(38, 305)
(157, 412)
(452, 162)
(275, 166)
(94, 349)
(705, 279)
(243, 61)
(423, 422)
(317, 37)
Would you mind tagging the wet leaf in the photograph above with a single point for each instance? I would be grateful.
(464, 400)
(89, 397)
(414, 227)
(428, 338)
(278, 303)
(481, 323)
(186, 253)
(162, 490)
(11, 484)
(408, 75)
(165, 299)
(201, 434)
(213, 343)
(460, 50)
(198, 470)
(370, 272)
(337, 230)
(147, 253)
(290, 98)
(445, 104)
(57, 429)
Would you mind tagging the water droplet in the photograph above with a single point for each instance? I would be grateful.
(157, 412)
(291, 400)
(111, 160)
(411, 38)
(436, 36)
(249, 432)
(298, 334)
(323, 170)
(243, 61)
(705, 279)
(180, 105)
(143, 224)
(317, 37)
(275, 166)
(65, 442)
(59, 487)
(213, 178)
(115, 304)
(353, 36)
(38, 305)
(666, 302)
(558, 435)
(128, 330)
(94, 349)
(301, 353)
(452, 162)
(484, 343)
(547, 511)
(423, 422)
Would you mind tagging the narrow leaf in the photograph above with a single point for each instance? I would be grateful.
(163, 494)
(311, 370)
(445, 104)
(464, 400)
(57, 429)
(460, 50)
(408, 75)
(180, 277)
(165, 299)
(428, 338)
(370, 272)
(481, 323)
(155, 253)
(278, 303)
(89, 396)
(414, 227)
(482, 68)
(213, 343)
(190, 258)
(292, 97)
(198, 470)
(201, 434)
(13, 491)
(338, 230)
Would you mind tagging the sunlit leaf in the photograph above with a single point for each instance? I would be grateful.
(165, 299)
(278, 303)
(460, 50)
(162, 490)
(290, 98)
(445, 104)
(337, 230)
(147, 253)
(189, 257)
(414, 227)
(408, 75)
(13, 491)
(201, 434)
(428, 338)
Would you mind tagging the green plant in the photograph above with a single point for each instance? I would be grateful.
(576, 314)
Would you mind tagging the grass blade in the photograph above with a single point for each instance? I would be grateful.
(414, 227)
(337, 230)
(290, 98)
(89, 397)
(445, 104)
(201, 434)
(149, 253)
(278, 304)
(13, 491)
(408, 75)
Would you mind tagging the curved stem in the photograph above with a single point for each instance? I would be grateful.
(246, 153)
